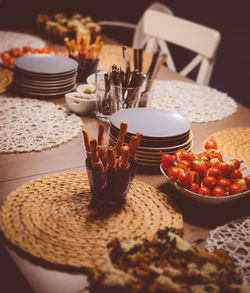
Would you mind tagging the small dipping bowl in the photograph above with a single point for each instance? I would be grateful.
(110, 188)
(81, 103)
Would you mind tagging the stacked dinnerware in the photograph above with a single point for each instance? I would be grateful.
(163, 131)
(44, 75)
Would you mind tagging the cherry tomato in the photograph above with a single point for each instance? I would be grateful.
(208, 164)
(200, 167)
(167, 160)
(195, 176)
(235, 189)
(214, 162)
(210, 144)
(218, 191)
(178, 153)
(225, 168)
(27, 48)
(209, 181)
(173, 172)
(194, 187)
(187, 156)
(216, 155)
(184, 179)
(182, 165)
(204, 156)
(187, 163)
(242, 183)
(235, 174)
(236, 163)
(224, 183)
(204, 190)
(248, 181)
(215, 172)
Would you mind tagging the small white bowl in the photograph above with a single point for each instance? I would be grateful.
(80, 103)
(91, 79)
(87, 87)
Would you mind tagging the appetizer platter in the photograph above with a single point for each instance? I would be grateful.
(209, 176)
(166, 263)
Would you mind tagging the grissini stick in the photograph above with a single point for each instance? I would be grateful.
(121, 136)
(100, 140)
(134, 143)
(87, 142)
(124, 162)
(95, 160)
(111, 166)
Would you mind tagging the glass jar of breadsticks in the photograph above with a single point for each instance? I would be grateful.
(86, 54)
(111, 170)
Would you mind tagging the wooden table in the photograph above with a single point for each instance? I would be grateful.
(21, 273)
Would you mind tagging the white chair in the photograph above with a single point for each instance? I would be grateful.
(139, 38)
(162, 28)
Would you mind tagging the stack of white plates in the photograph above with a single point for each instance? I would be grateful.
(163, 131)
(45, 75)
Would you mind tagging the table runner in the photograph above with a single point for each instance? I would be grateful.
(234, 237)
(195, 102)
(33, 125)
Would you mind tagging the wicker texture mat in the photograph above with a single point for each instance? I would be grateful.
(53, 218)
(6, 78)
(234, 142)
(112, 54)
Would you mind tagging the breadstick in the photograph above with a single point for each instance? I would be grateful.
(124, 163)
(95, 160)
(100, 140)
(86, 140)
(134, 143)
(78, 39)
(98, 39)
(68, 44)
(111, 159)
(120, 140)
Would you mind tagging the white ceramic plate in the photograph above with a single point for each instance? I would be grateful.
(210, 199)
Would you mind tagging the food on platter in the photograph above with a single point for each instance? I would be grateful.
(167, 263)
(111, 170)
(206, 173)
(9, 57)
(59, 26)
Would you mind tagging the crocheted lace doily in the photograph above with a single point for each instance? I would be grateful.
(195, 102)
(16, 40)
(234, 237)
(33, 125)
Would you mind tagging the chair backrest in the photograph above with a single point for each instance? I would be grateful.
(162, 28)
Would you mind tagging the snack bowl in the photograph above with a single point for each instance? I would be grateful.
(87, 89)
(91, 79)
(80, 103)
(209, 199)
(110, 187)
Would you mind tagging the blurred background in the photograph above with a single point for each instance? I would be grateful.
(232, 67)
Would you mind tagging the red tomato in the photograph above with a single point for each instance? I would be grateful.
(216, 155)
(209, 181)
(204, 190)
(167, 160)
(225, 168)
(187, 163)
(248, 181)
(214, 162)
(194, 187)
(235, 189)
(224, 183)
(204, 156)
(178, 153)
(187, 156)
(235, 174)
(208, 164)
(242, 183)
(236, 163)
(184, 179)
(200, 167)
(195, 176)
(215, 172)
(173, 172)
(182, 165)
(218, 191)
(210, 144)
(27, 48)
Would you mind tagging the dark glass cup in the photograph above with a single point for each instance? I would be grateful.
(110, 187)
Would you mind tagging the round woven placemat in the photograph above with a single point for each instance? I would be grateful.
(6, 78)
(53, 218)
(234, 142)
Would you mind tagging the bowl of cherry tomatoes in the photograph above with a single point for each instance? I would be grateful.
(207, 176)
